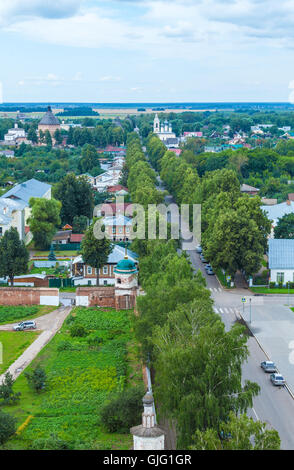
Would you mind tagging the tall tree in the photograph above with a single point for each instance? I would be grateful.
(95, 251)
(237, 433)
(14, 256)
(198, 369)
(285, 227)
(76, 197)
(44, 220)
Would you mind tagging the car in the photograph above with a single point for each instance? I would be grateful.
(210, 272)
(25, 325)
(277, 379)
(208, 266)
(268, 366)
(203, 259)
(198, 249)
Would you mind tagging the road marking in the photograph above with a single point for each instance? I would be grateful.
(221, 310)
(219, 289)
(215, 309)
(210, 289)
(255, 414)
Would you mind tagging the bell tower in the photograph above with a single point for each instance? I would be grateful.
(156, 124)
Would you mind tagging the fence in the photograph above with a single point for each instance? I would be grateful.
(57, 282)
(66, 246)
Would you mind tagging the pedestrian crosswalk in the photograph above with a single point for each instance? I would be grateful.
(226, 310)
(215, 289)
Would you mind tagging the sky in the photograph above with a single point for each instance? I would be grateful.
(146, 50)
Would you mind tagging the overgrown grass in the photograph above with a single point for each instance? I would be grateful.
(80, 378)
(14, 313)
(13, 344)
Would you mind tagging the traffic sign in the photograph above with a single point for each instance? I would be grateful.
(244, 299)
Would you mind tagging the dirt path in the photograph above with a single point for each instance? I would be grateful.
(50, 324)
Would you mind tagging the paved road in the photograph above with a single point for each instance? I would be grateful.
(49, 325)
(274, 405)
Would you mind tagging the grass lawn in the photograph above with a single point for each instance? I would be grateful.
(266, 290)
(80, 378)
(221, 277)
(14, 313)
(64, 254)
(13, 345)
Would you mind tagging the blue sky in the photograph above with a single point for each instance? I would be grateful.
(145, 50)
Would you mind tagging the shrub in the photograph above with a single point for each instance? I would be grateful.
(51, 443)
(77, 330)
(123, 410)
(65, 345)
(36, 379)
(272, 285)
(94, 340)
(7, 394)
(7, 426)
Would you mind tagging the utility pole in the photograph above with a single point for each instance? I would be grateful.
(250, 309)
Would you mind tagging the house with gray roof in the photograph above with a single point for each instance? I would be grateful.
(281, 260)
(14, 204)
(277, 211)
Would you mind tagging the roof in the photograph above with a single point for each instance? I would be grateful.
(28, 189)
(125, 266)
(116, 220)
(281, 254)
(62, 235)
(116, 187)
(49, 119)
(291, 196)
(116, 208)
(246, 187)
(115, 256)
(279, 210)
(76, 237)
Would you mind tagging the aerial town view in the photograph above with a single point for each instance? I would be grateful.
(146, 228)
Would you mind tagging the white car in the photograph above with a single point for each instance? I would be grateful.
(25, 325)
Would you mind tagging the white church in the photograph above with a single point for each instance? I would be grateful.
(163, 130)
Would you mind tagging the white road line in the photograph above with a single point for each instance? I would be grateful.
(226, 310)
(221, 310)
(255, 414)
(210, 289)
(215, 309)
(220, 289)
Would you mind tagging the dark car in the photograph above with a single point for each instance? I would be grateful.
(25, 325)
(198, 249)
(268, 366)
(203, 259)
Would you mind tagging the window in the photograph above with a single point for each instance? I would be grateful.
(127, 229)
(89, 270)
(105, 269)
(114, 229)
(1, 231)
(280, 278)
(119, 281)
(105, 283)
(120, 230)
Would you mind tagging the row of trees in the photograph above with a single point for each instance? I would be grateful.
(197, 363)
(234, 228)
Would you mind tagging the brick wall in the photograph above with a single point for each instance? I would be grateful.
(101, 296)
(25, 295)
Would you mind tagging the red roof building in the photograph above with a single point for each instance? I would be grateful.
(117, 187)
(76, 237)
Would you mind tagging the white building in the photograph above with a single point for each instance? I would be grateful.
(163, 130)
(148, 436)
(14, 204)
(14, 134)
(281, 260)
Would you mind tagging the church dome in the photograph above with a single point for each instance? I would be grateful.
(49, 119)
(125, 266)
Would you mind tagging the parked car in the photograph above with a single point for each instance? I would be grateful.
(210, 272)
(198, 249)
(268, 366)
(25, 325)
(277, 379)
(203, 259)
(208, 266)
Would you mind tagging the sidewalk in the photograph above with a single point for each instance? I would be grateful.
(273, 327)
